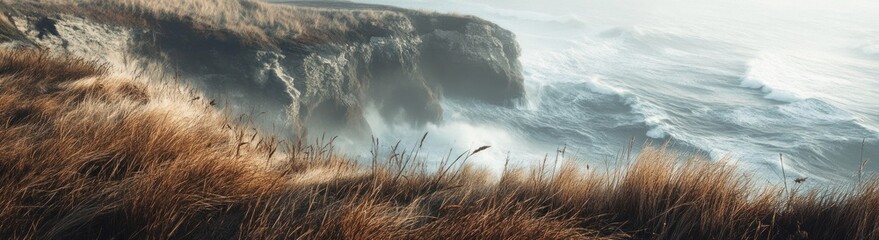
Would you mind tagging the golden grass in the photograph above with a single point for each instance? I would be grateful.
(254, 22)
(89, 155)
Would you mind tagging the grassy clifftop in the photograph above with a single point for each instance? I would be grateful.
(87, 154)
(250, 21)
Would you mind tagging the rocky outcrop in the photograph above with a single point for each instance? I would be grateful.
(402, 66)
(475, 62)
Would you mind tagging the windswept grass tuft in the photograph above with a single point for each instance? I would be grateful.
(90, 155)
(251, 21)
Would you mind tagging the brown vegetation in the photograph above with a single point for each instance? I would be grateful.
(253, 22)
(8, 32)
(85, 154)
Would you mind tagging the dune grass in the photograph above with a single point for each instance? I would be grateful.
(253, 22)
(86, 154)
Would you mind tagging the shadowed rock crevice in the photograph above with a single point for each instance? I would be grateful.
(46, 26)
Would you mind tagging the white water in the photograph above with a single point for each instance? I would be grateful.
(747, 79)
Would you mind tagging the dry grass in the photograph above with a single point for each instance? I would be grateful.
(253, 21)
(8, 32)
(89, 155)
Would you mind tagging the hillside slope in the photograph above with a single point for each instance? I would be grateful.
(91, 155)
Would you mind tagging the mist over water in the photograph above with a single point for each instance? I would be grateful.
(740, 79)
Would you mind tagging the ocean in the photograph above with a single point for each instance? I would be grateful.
(740, 81)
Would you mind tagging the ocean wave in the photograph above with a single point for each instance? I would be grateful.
(812, 134)
(870, 49)
(809, 112)
(776, 76)
(794, 76)
(651, 115)
(595, 84)
(770, 92)
(816, 111)
(568, 20)
(639, 36)
(561, 69)
(666, 41)
(490, 12)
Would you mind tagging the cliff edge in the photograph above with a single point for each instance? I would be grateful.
(293, 67)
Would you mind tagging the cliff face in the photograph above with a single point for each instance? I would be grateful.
(397, 61)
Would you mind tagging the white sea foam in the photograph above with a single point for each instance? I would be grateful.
(775, 75)
(654, 118)
(457, 134)
(596, 85)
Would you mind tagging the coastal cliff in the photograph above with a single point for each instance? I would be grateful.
(293, 68)
(125, 119)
